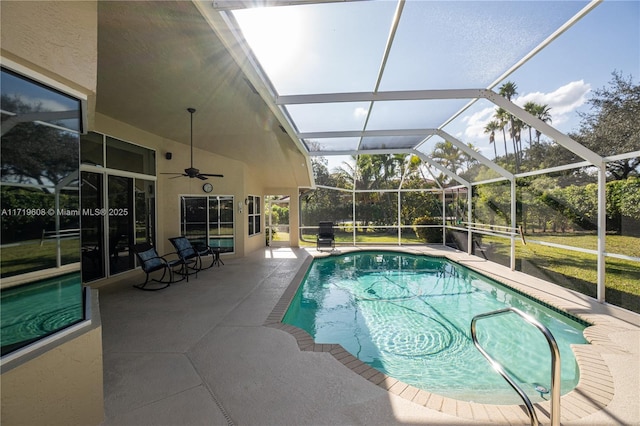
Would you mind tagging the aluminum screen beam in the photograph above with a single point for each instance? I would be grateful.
(366, 133)
(223, 5)
(442, 169)
(470, 152)
(400, 95)
(545, 128)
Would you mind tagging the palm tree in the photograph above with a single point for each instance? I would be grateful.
(543, 114)
(450, 156)
(509, 90)
(516, 132)
(491, 128)
(502, 117)
(530, 108)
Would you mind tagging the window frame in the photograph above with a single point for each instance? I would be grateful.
(254, 215)
(209, 237)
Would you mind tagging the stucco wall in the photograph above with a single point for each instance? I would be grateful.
(58, 384)
(63, 386)
(58, 39)
(54, 43)
(168, 190)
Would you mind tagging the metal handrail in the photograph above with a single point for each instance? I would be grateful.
(555, 364)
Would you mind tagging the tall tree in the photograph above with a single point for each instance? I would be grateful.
(509, 90)
(542, 112)
(491, 128)
(613, 124)
(530, 108)
(450, 156)
(502, 117)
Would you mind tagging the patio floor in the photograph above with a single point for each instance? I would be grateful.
(211, 352)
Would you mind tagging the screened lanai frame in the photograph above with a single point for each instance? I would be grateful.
(289, 102)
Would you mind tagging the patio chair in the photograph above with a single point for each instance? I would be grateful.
(326, 236)
(203, 251)
(151, 262)
(189, 255)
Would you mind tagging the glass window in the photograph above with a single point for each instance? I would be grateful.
(26, 101)
(39, 191)
(255, 223)
(92, 202)
(145, 211)
(208, 220)
(91, 149)
(120, 214)
(193, 218)
(122, 155)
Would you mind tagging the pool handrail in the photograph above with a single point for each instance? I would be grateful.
(555, 364)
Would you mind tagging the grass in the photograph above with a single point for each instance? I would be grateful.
(576, 270)
(31, 256)
(629, 246)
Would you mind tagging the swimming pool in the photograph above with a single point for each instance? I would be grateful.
(409, 316)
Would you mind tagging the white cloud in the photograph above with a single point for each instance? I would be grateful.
(563, 102)
(360, 112)
(43, 104)
(476, 123)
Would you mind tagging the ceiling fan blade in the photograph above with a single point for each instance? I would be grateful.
(171, 173)
(211, 174)
(201, 177)
(180, 175)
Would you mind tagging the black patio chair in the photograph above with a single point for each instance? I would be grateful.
(189, 255)
(151, 262)
(326, 236)
(203, 251)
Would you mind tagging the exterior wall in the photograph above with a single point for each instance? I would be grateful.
(56, 43)
(59, 385)
(58, 39)
(169, 190)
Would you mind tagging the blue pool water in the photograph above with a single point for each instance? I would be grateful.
(409, 317)
(32, 311)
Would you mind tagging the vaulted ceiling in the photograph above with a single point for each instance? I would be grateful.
(156, 59)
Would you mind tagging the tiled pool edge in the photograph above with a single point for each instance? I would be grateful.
(593, 393)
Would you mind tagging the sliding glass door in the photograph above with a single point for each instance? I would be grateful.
(92, 203)
(117, 204)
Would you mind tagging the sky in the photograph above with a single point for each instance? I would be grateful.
(442, 45)
(565, 74)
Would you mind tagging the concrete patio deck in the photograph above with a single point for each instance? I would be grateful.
(211, 352)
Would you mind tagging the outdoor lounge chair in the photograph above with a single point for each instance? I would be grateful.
(189, 255)
(326, 236)
(204, 251)
(151, 262)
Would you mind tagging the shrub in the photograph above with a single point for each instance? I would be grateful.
(428, 235)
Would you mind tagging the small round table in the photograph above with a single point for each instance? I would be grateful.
(216, 253)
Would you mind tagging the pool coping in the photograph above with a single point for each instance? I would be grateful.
(594, 391)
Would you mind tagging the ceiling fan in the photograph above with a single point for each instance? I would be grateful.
(192, 172)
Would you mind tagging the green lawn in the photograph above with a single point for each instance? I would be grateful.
(31, 256)
(578, 271)
(629, 246)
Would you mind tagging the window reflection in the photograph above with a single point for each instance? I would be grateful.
(45, 105)
(129, 157)
(92, 149)
(39, 190)
(208, 220)
(120, 214)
